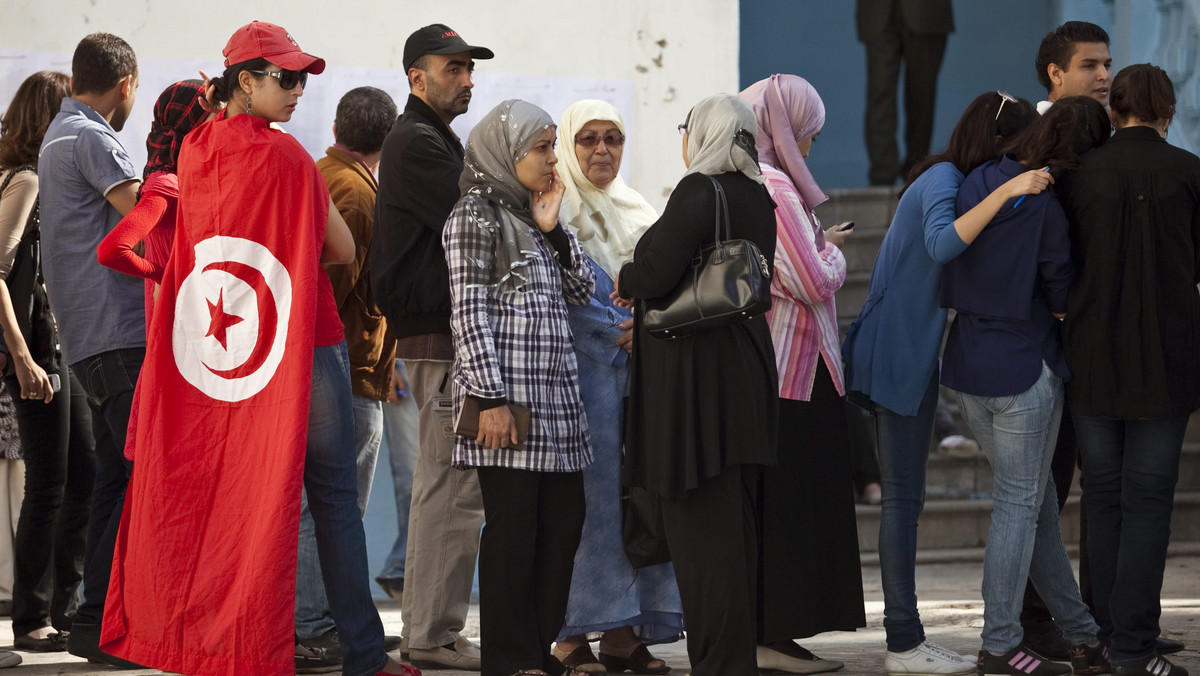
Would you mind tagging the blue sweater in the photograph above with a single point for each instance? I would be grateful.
(1005, 289)
(891, 349)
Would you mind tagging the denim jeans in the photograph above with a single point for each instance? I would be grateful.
(60, 471)
(1017, 433)
(312, 606)
(1130, 468)
(400, 440)
(330, 481)
(903, 443)
(108, 379)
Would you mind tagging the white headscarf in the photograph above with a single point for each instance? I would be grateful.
(607, 222)
(721, 133)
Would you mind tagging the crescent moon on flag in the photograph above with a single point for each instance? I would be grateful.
(231, 318)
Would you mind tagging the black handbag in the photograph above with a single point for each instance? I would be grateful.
(729, 282)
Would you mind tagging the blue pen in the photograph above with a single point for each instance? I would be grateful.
(1022, 198)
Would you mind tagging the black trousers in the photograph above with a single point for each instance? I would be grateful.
(533, 521)
(713, 537)
(60, 468)
(108, 379)
(922, 58)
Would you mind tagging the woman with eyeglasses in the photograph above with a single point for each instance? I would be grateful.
(891, 351)
(205, 561)
(629, 608)
(701, 421)
(808, 497)
(1004, 358)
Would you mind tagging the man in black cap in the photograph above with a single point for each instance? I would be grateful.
(418, 186)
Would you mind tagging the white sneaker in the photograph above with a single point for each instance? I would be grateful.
(928, 659)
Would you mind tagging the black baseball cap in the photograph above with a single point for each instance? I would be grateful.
(439, 38)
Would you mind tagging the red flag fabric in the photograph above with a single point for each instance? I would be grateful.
(205, 565)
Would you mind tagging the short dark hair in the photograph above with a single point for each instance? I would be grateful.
(1059, 46)
(100, 61)
(35, 104)
(1068, 129)
(988, 123)
(421, 63)
(364, 117)
(1143, 91)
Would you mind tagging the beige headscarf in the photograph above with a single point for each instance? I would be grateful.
(608, 222)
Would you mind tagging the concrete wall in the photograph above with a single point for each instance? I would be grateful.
(674, 52)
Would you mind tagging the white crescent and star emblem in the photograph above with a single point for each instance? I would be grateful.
(231, 318)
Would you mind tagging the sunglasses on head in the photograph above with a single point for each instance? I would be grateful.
(1005, 97)
(288, 79)
(612, 139)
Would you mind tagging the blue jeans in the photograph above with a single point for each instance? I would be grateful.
(330, 481)
(108, 379)
(1130, 468)
(312, 605)
(400, 440)
(1017, 433)
(903, 443)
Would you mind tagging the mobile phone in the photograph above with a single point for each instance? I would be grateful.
(848, 225)
(55, 383)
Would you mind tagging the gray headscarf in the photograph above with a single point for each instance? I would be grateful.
(494, 147)
(721, 132)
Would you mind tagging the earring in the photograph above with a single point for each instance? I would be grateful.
(249, 107)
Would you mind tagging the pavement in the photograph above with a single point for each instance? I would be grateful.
(950, 604)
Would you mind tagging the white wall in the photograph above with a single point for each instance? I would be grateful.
(670, 52)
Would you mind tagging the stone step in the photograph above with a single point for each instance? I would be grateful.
(963, 524)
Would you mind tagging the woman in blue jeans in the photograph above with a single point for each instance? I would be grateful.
(891, 352)
(1004, 357)
(1132, 339)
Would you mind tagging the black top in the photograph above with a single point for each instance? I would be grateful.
(699, 403)
(421, 162)
(1132, 333)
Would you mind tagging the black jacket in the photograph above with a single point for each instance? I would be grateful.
(418, 186)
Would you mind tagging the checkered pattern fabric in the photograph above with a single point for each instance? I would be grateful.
(517, 343)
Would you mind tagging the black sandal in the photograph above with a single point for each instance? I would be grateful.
(638, 662)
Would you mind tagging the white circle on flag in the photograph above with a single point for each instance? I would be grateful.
(231, 318)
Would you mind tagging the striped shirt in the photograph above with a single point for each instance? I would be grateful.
(803, 318)
(516, 344)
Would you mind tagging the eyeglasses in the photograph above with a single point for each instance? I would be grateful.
(611, 140)
(682, 128)
(1005, 97)
(288, 79)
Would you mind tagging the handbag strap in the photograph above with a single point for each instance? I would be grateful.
(722, 209)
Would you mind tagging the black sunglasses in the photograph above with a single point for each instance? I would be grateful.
(612, 139)
(288, 79)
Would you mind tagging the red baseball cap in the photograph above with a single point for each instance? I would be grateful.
(259, 39)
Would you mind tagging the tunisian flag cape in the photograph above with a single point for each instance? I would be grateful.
(204, 570)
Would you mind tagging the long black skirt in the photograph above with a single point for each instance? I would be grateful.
(810, 578)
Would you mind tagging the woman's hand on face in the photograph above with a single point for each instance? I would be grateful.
(1031, 182)
(35, 384)
(546, 204)
(837, 237)
(626, 340)
(497, 428)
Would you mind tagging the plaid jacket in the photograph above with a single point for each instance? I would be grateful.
(517, 344)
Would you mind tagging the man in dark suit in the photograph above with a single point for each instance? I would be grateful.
(912, 31)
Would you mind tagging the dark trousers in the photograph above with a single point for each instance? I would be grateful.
(922, 57)
(533, 522)
(108, 379)
(60, 468)
(1035, 616)
(712, 534)
(1130, 468)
